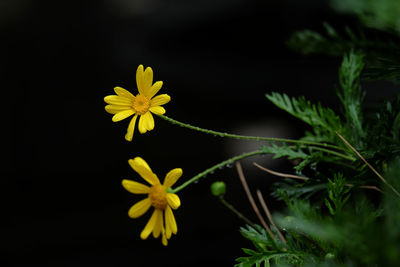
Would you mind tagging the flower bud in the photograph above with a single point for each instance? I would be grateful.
(218, 188)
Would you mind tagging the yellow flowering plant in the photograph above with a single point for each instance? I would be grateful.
(291, 240)
(124, 104)
(162, 196)
(157, 197)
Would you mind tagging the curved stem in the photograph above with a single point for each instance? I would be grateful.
(213, 168)
(246, 137)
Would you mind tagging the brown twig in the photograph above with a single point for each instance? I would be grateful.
(280, 174)
(372, 187)
(251, 199)
(286, 175)
(268, 213)
(367, 163)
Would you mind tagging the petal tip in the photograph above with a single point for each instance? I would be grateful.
(125, 182)
(107, 98)
(128, 138)
(143, 236)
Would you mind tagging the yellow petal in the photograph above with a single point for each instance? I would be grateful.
(139, 208)
(131, 129)
(146, 122)
(135, 187)
(164, 239)
(160, 100)
(142, 128)
(138, 161)
(168, 232)
(140, 79)
(170, 222)
(149, 121)
(123, 92)
(122, 115)
(155, 88)
(149, 226)
(114, 109)
(158, 110)
(159, 223)
(173, 200)
(118, 100)
(172, 176)
(141, 167)
(148, 81)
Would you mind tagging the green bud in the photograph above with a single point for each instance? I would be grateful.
(218, 188)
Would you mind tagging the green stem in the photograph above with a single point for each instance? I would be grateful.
(238, 213)
(213, 168)
(333, 153)
(246, 137)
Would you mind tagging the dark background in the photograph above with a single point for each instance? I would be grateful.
(62, 203)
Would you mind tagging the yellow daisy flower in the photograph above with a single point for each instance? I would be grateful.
(125, 104)
(157, 197)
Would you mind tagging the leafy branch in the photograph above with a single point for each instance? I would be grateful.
(315, 115)
(266, 250)
(338, 194)
(351, 95)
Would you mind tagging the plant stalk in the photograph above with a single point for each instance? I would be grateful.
(215, 167)
(246, 137)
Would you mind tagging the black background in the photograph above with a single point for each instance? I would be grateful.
(62, 203)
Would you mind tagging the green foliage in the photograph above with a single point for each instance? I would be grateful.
(259, 237)
(296, 190)
(383, 138)
(391, 203)
(381, 50)
(338, 194)
(331, 42)
(323, 120)
(351, 95)
(290, 152)
(351, 238)
(267, 250)
(362, 235)
(332, 217)
(382, 14)
(385, 67)
(333, 222)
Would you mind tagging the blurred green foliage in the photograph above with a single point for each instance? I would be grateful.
(342, 214)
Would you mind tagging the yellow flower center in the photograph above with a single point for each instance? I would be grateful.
(141, 104)
(158, 197)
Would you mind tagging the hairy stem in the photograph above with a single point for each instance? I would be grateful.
(215, 167)
(246, 137)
